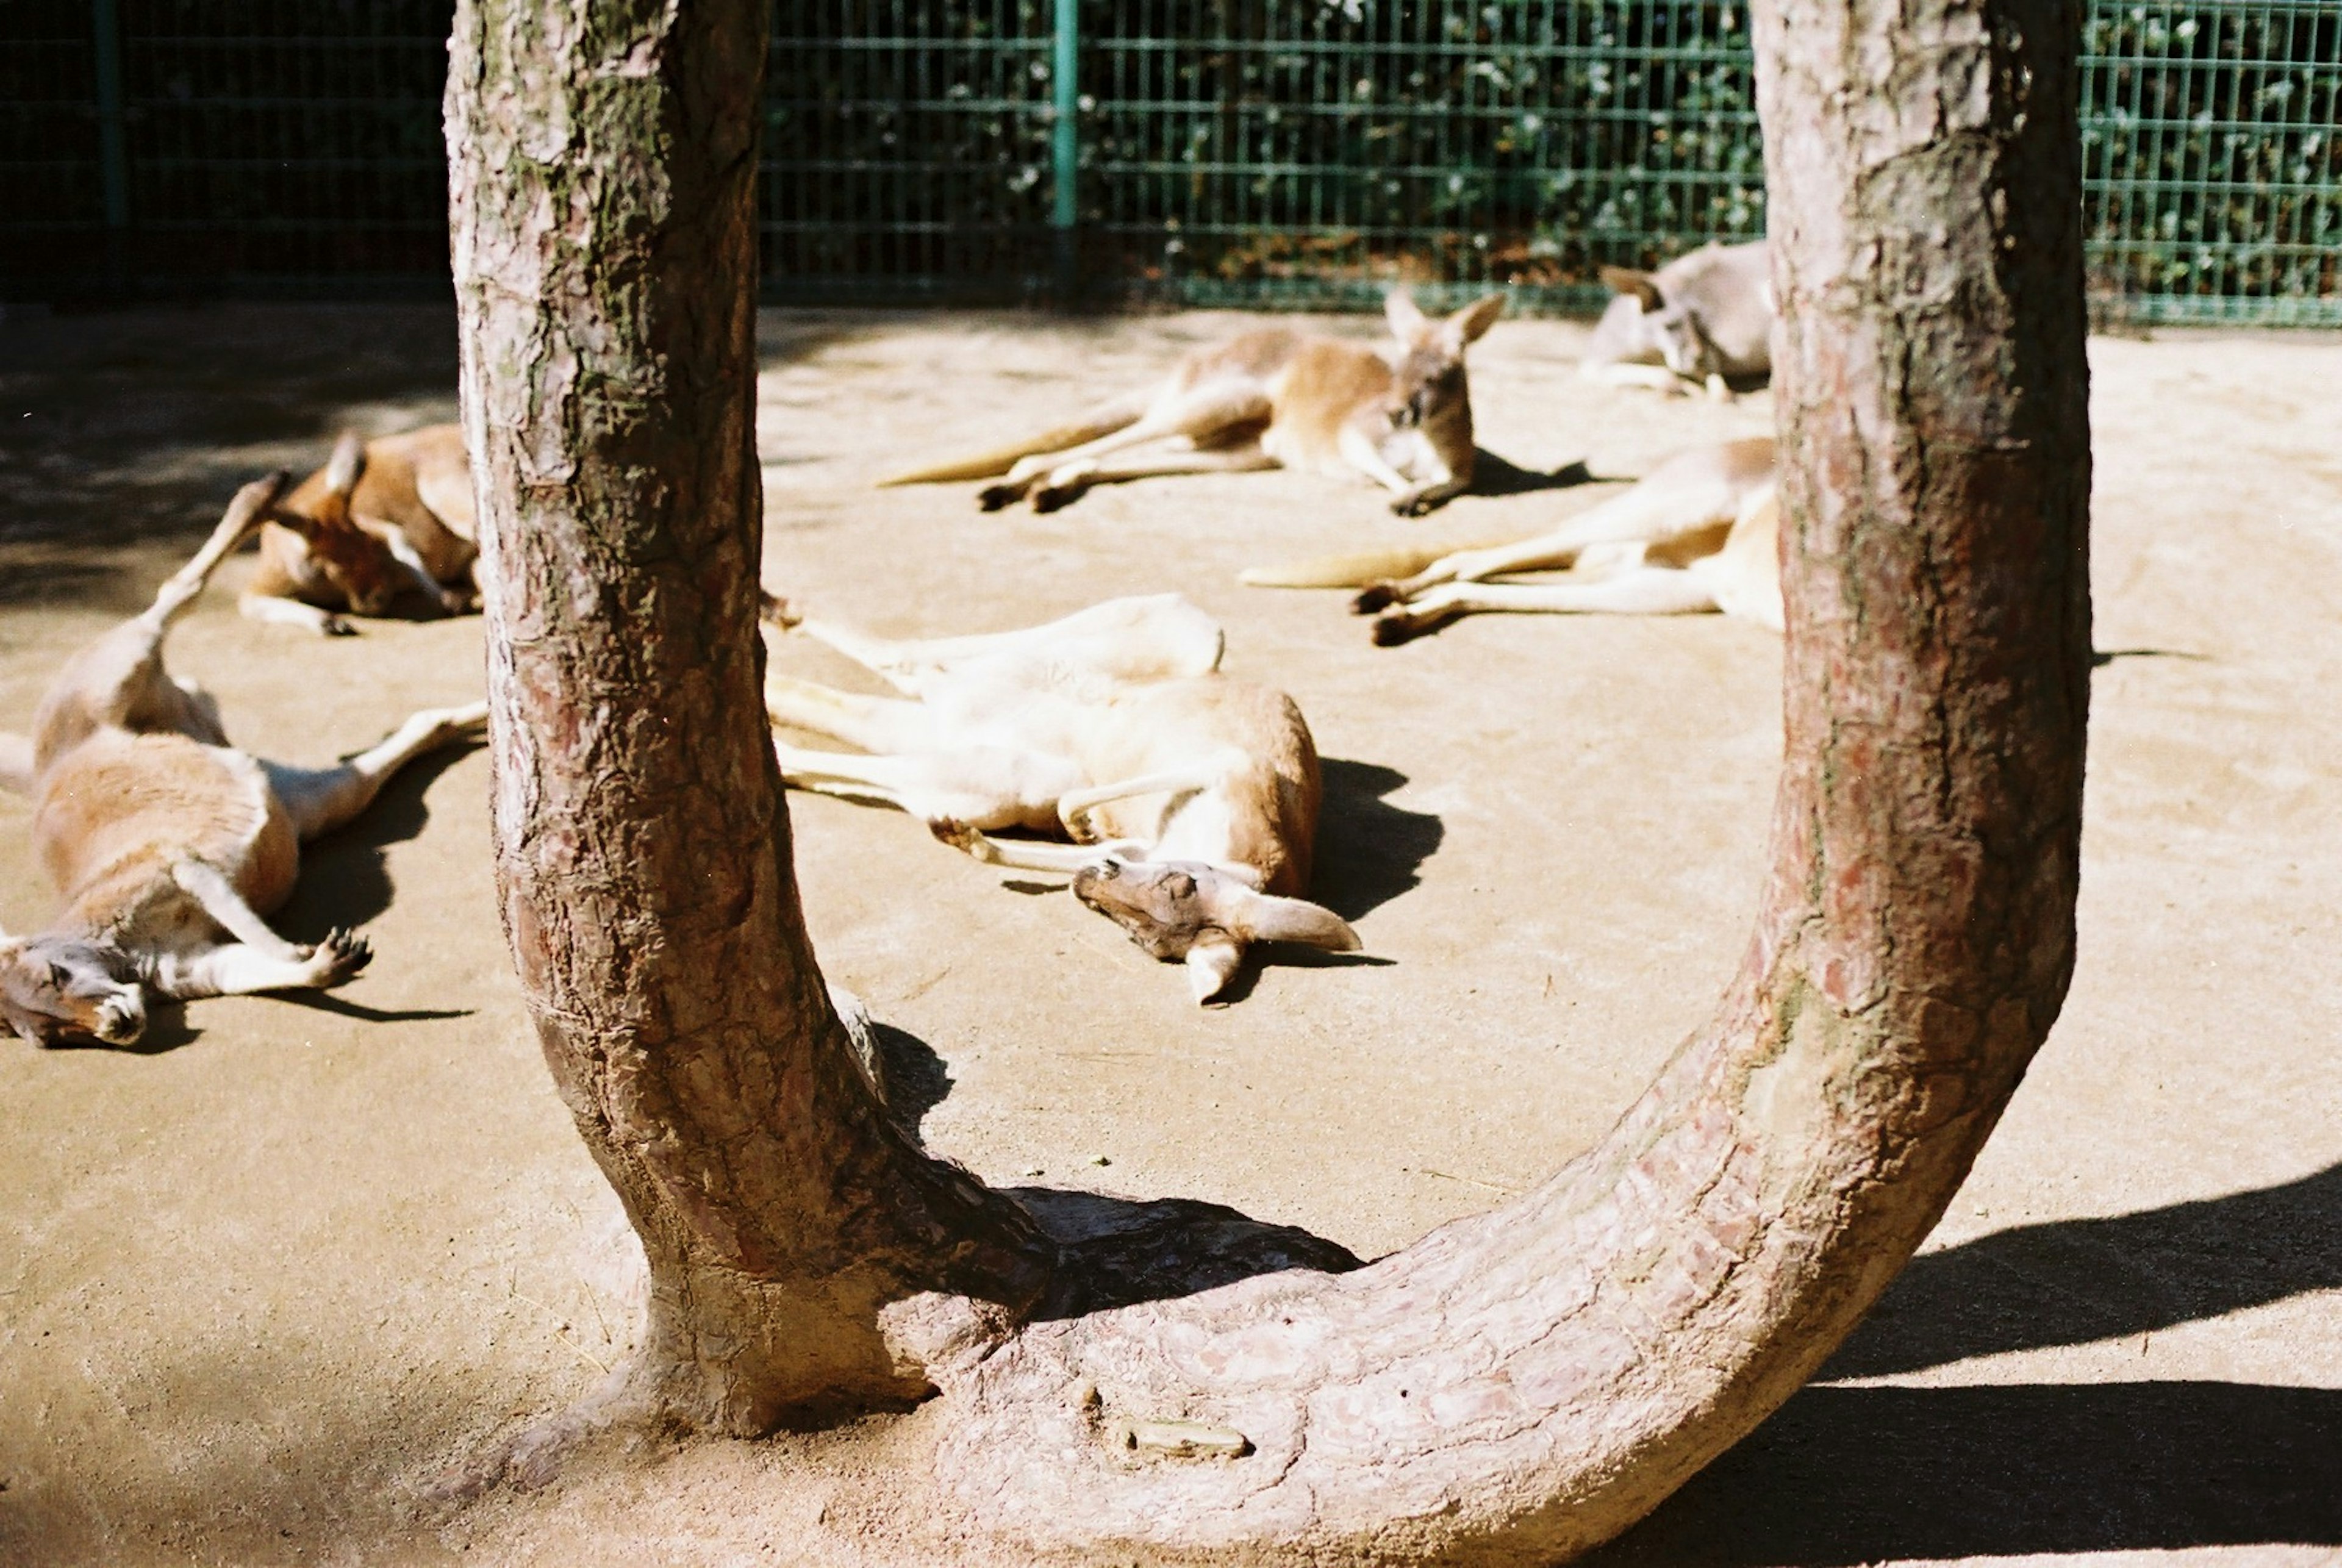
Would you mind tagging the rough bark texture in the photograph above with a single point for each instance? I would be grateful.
(1516, 1386)
(1527, 1384)
(601, 165)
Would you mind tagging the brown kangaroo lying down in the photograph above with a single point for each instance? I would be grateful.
(1191, 799)
(168, 843)
(383, 519)
(1270, 398)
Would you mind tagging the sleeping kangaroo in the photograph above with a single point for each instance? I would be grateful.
(1706, 318)
(168, 843)
(1699, 532)
(384, 518)
(1274, 398)
(1191, 799)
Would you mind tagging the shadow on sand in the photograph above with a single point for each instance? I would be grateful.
(1845, 1476)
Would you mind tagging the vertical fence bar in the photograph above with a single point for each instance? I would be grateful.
(1065, 148)
(113, 147)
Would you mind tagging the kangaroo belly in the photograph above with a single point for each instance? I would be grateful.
(123, 809)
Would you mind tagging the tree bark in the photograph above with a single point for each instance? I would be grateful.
(1517, 1386)
(602, 167)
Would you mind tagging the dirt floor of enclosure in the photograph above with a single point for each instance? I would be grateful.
(262, 1279)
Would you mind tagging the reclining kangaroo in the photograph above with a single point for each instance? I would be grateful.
(1700, 532)
(1269, 399)
(388, 517)
(1704, 319)
(168, 843)
(1191, 799)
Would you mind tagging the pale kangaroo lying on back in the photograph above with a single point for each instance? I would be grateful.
(1269, 399)
(1191, 799)
(1704, 319)
(382, 519)
(168, 843)
(1700, 532)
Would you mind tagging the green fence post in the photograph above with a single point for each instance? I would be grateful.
(1066, 148)
(113, 151)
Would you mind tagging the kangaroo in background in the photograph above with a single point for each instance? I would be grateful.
(382, 518)
(1269, 399)
(1705, 318)
(1701, 532)
(1191, 800)
(168, 843)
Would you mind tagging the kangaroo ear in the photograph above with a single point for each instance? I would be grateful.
(1210, 966)
(1407, 324)
(1264, 917)
(15, 765)
(1626, 280)
(1467, 325)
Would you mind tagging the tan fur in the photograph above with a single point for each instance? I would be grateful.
(169, 844)
(1268, 398)
(1704, 319)
(1701, 532)
(334, 544)
(1192, 799)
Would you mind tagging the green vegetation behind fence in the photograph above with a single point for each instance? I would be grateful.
(1226, 152)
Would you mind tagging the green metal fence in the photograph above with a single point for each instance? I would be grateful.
(1235, 151)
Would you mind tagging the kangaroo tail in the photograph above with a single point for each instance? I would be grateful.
(1104, 420)
(1359, 570)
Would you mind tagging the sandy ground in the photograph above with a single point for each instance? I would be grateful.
(260, 1279)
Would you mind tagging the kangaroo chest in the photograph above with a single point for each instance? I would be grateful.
(118, 814)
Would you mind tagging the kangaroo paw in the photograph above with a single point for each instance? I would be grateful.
(1375, 596)
(1391, 630)
(341, 956)
(993, 497)
(1050, 497)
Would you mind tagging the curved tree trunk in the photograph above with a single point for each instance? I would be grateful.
(1518, 1385)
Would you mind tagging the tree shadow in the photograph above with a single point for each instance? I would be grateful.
(1847, 1475)
(1114, 1251)
(1119, 1252)
(2069, 1282)
(917, 1079)
(345, 875)
(1854, 1475)
(1368, 850)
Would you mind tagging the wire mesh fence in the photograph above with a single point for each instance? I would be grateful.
(1231, 151)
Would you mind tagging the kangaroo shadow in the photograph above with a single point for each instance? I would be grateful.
(345, 875)
(1495, 475)
(1368, 850)
(2101, 657)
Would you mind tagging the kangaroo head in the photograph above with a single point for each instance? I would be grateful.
(1428, 378)
(1183, 911)
(359, 566)
(1668, 325)
(54, 987)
